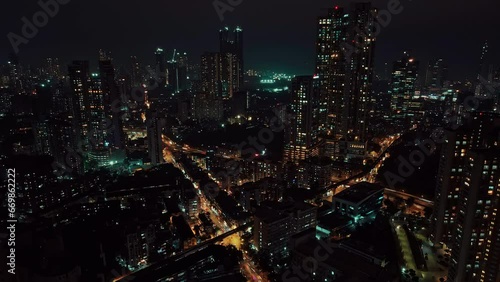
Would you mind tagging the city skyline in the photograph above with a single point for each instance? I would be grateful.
(420, 28)
(201, 161)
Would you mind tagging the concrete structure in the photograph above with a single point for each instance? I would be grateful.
(276, 222)
(359, 201)
(476, 239)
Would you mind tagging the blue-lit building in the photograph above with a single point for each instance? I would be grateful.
(360, 201)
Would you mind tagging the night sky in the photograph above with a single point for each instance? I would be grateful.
(279, 34)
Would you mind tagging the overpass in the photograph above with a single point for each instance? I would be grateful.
(158, 266)
(406, 196)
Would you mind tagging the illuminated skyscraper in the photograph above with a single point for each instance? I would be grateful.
(476, 240)
(325, 66)
(211, 74)
(303, 128)
(344, 66)
(481, 131)
(222, 72)
(97, 114)
(232, 62)
(403, 86)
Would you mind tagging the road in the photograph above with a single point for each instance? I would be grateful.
(434, 271)
(371, 176)
(248, 267)
(368, 174)
(406, 196)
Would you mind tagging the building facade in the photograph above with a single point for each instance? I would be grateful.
(480, 131)
(403, 86)
(476, 240)
(303, 129)
(344, 66)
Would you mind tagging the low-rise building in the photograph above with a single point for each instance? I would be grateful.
(360, 201)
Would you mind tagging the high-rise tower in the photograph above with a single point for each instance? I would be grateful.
(303, 129)
(403, 86)
(211, 74)
(476, 237)
(155, 142)
(97, 114)
(344, 67)
(480, 131)
(232, 61)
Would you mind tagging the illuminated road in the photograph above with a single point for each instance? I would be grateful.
(248, 267)
(406, 196)
(435, 270)
(184, 148)
(366, 175)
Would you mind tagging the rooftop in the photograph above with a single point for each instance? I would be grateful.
(289, 206)
(349, 264)
(358, 192)
(212, 255)
(272, 211)
(333, 220)
(268, 215)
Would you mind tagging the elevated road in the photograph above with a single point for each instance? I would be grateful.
(406, 196)
(159, 266)
(363, 173)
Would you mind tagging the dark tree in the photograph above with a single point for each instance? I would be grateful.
(428, 212)
(410, 201)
